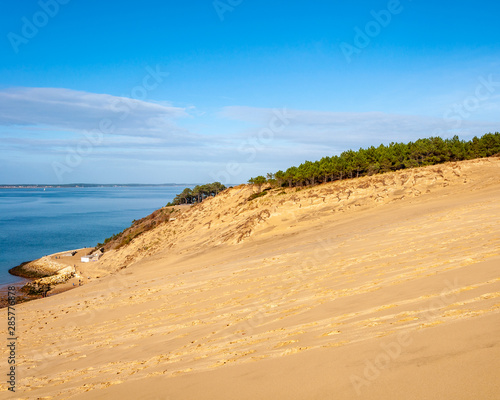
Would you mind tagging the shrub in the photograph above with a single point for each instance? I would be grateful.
(256, 195)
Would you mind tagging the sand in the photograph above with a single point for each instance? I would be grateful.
(382, 287)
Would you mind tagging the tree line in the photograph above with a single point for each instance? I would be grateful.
(375, 160)
(197, 194)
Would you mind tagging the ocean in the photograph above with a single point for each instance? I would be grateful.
(38, 222)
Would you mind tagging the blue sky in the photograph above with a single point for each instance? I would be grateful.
(196, 91)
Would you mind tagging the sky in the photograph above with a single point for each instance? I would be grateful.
(201, 91)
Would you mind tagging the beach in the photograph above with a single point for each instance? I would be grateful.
(385, 286)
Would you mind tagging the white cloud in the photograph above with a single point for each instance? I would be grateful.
(344, 130)
(78, 111)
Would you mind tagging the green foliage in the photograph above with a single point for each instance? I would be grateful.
(375, 160)
(257, 195)
(197, 194)
(260, 180)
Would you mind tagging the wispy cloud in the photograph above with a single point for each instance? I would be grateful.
(77, 111)
(344, 130)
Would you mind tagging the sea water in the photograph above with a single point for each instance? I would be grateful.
(38, 222)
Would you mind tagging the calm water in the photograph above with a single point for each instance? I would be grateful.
(34, 222)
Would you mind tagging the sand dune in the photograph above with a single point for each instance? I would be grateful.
(380, 287)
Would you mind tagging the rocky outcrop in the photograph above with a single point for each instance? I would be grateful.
(46, 274)
(42, 285)
(40, 268)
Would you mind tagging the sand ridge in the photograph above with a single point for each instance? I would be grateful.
(232, 285)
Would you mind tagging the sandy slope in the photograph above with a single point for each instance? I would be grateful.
(382, 287)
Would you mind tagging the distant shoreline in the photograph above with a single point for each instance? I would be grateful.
(91, 185)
